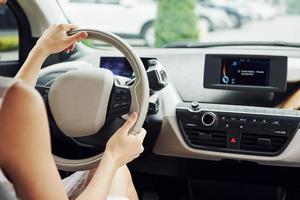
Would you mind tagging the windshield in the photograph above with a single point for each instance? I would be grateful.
(157, 23)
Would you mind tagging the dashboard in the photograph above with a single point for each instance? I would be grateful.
(233, 109)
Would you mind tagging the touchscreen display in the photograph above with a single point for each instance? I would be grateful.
(120, 66)
(245, 71)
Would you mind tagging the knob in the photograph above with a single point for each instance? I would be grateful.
(195, 105)
(208, 118)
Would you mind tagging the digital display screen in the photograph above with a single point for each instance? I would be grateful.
(245, 71)
(120, 66)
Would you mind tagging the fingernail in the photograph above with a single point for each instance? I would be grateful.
(133, 115)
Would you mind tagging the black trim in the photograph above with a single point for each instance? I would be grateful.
(26, 42)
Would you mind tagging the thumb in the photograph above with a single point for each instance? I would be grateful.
(130, 122)
(77, 37)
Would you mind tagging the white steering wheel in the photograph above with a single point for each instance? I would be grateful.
(84, 101)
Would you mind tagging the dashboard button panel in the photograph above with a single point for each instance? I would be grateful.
(237, 129)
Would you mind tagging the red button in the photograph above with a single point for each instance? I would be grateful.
(233, 140)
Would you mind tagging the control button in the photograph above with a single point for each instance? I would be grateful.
(195, 105)
(123, 103)
(233, 118)
(280, 132)
(124, 97)
(116, 105)
(254, 120)
(117, 98)
(243, 120)
(195, 116)
(264, 121)
(233, 140)
(276, 122)
(223, 118)
(208, 118)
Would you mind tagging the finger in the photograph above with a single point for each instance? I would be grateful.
(71, 26)
(77, 37)
(141, 136)
(130, 122)
(141, 150)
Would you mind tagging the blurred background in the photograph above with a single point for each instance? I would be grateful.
(158, 23)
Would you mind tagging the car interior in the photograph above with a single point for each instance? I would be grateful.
(222, 117)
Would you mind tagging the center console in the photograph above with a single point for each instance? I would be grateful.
(237, 129)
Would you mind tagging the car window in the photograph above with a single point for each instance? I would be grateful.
(157, 23)
(9, 36)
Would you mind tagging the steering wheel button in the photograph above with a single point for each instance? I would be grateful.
(123, 104)
(116, 105)
(124, 97)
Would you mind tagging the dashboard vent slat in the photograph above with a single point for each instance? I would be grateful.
(207, 138)
(262, 143)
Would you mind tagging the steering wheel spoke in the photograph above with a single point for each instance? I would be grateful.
(119, 103)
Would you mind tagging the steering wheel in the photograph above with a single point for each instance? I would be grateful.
(84, 101)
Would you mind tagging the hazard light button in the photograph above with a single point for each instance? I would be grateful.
(233, 140)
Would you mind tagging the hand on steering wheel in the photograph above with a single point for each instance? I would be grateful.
(125, 147)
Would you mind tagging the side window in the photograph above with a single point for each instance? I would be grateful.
(9, 35)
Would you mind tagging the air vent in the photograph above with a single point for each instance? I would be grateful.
(206, 138)
(263, 143)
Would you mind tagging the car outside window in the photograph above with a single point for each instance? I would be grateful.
(157, 23)
(9, 36)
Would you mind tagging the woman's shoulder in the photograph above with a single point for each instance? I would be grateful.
(21, 112)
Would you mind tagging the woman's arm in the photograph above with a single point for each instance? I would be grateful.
(120, 149)
(25, 150)
(53, 40)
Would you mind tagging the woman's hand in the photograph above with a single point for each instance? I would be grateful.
(124, 147)
(55, 39)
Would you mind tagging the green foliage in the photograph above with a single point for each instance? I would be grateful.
(8, 43)
(176, 22)
(293, 6)
(88, 42)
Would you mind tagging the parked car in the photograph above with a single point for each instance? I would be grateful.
(261, 10)
(214, 17)
(239, 15)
